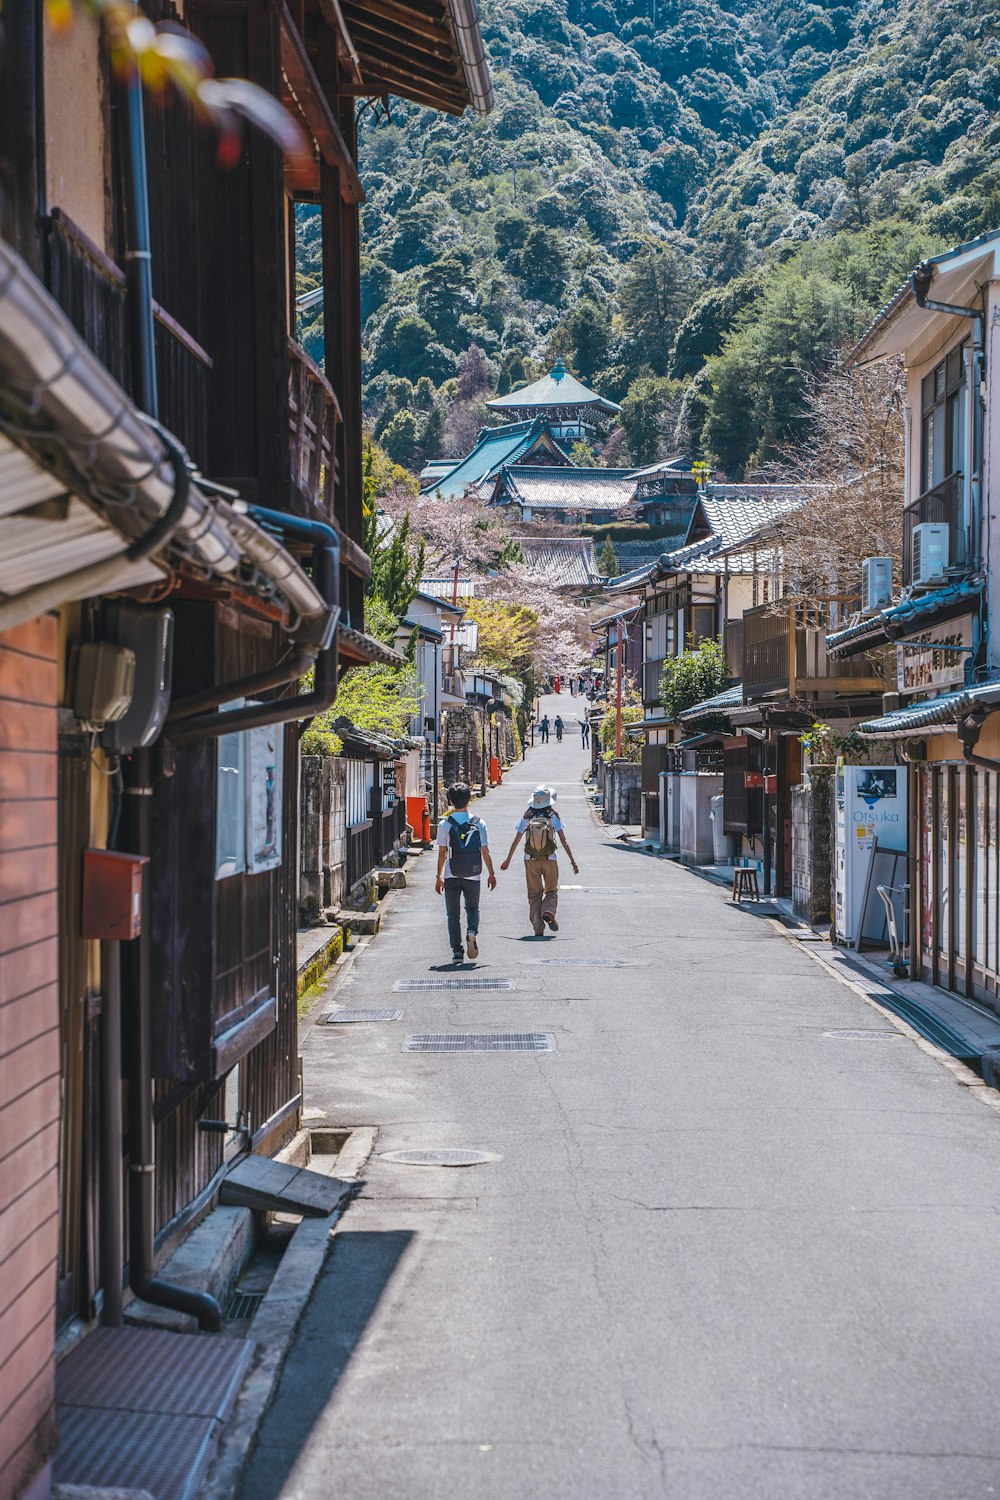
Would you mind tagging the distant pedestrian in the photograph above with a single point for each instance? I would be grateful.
(585, 733)
(463, 849)
(543, 729)
(559, 728)
(540, 828)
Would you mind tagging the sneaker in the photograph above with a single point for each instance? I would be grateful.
(551, 923)
(457, 956)
(471, 946)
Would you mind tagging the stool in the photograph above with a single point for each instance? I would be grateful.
(745, 883)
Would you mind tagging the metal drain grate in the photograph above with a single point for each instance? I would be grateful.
(243, 1305)
(404, 911)
(583, 963)
(610, 890)
(859, 1036)
(357, 1017)
(484, 1041)
(458, 982)
(439, 1158)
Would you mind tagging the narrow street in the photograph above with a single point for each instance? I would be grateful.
(740, 1240)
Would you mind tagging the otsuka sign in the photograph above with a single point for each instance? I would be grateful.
(934, 658)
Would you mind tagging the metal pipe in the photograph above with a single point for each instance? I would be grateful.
(112, 1250)
(141, 1157)
(291, 670)
(326, 574)
(138, 253)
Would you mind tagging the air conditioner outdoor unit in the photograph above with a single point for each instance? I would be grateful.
(876, 584)
(929, 559)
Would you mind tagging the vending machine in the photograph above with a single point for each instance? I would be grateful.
(870, 806)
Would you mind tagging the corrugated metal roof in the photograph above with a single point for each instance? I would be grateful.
(544, 488)
(445, 588)
(933, 713)
(569, 560)
(557, 388)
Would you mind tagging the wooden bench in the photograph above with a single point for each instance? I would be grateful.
(745, 883)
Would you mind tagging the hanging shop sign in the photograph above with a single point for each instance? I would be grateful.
(934, 658)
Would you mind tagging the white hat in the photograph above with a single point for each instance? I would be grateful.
(542, 796)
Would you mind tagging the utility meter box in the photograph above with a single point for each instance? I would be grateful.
(103, 681)
(149, 634)
(112, 895)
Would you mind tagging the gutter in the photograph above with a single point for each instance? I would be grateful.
(469, 36)
(124, 466)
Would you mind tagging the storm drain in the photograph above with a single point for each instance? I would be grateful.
(485, 1041)
(358, 1017)
(610, 890)
(404, 911)
(859, 1036)
(440, 1158)
(456, 982)
(583, 963)
(243, 1305)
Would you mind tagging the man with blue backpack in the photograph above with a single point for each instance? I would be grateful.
(462, 851)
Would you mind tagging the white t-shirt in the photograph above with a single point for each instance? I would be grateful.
(555, 822)
(444, 839)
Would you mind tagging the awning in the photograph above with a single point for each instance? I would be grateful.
(729, 698)
(902, 619)
(934, 715)
(87, 475)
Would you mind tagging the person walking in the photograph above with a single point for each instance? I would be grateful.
(463, 849)
(540, 827)
(585, 733)
(543, 728)
(559, 728)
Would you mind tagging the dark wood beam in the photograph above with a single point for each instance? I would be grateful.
(314, 107)
(374, 38)
(401, 15)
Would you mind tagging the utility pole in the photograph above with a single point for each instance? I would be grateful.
(619, 654)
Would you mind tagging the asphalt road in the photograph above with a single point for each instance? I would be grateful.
(723, 1254)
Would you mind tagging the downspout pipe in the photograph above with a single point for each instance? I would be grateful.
(138, 253)
(921, 283)
(189, 727)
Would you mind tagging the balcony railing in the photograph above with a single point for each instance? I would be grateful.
(90, 289)
(942, 504)
(313, 414)
(784, 651)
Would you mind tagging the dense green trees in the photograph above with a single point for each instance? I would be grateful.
(711, 192)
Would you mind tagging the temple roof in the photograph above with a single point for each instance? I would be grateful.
(547, 488)
(556, 389)
(496, 446)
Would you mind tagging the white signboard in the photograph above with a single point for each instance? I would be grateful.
(934, 658)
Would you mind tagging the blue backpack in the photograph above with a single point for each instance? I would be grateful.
(465, 849)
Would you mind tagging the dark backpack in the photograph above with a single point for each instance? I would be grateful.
(465, 846)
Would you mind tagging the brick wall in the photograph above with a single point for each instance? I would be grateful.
(29, 1052)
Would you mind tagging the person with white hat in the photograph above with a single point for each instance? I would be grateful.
(540, 827)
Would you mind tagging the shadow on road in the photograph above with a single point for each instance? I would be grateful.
(357, 1271)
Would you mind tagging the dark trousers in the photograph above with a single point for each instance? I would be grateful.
(454, 890)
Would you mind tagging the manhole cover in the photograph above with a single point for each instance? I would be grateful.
(458, 982)
(486, 1041)
(356, 1017)
(583, 963)
(440, 1158)
(859, 1036)
(243, 1305)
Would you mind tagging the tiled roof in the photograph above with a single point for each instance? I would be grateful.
(909, 614)
(544, 488)
(444, 588)
(557, 388)
(570, 561)
(933, 713)
(731, 697)
(496, 446)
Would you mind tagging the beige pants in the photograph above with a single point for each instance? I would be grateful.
(542, 876)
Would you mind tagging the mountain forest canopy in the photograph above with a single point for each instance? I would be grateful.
(695, 203)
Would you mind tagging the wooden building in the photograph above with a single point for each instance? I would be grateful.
(151, 573)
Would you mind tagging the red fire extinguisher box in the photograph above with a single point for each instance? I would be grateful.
(112, 895)
(419, 818)
(752, 780)
(771, 783)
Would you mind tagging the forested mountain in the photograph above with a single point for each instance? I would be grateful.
(695, 202)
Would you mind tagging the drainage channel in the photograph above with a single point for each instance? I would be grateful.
(481, 1041)
(467, 982)
(360, 1017)
(440, 1157)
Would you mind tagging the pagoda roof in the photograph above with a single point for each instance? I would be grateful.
(556, 389)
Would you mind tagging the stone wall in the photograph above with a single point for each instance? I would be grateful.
(322, 835)
(622, 791)
(812, 851)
